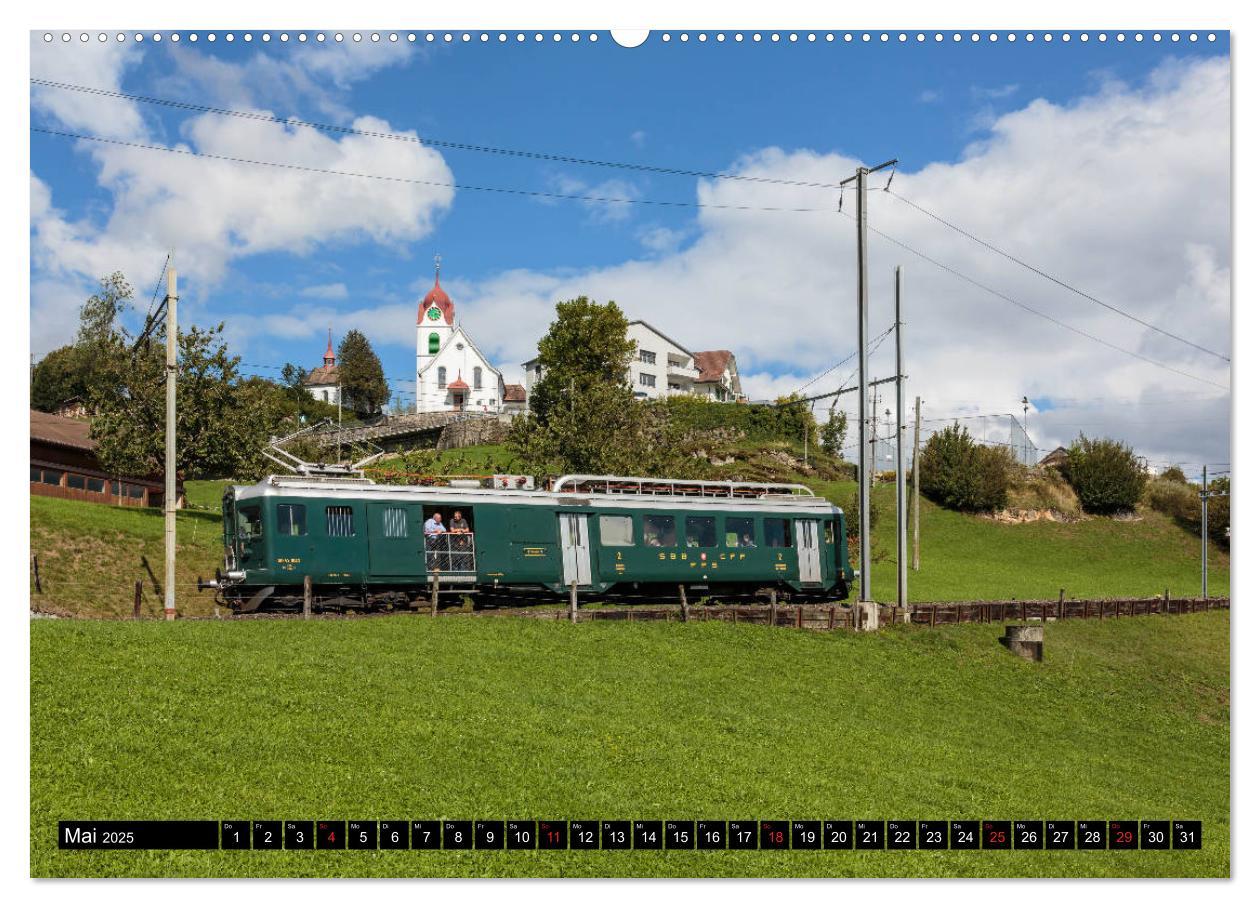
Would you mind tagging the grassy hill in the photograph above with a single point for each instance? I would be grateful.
(464, 718)
(91, 555)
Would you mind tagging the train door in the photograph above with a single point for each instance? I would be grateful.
(807, 551)
(575, 549)
(395, 541)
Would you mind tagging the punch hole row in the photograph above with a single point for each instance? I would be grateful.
(665, 37)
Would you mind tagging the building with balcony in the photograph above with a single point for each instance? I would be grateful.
(660, 367)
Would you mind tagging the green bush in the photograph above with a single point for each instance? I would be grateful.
(958, 472)
(1107, 476)
(786, 420)
(1174, 473)
(1176, 499)
(1180, 501)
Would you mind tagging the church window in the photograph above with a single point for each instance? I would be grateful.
(441, 376)
(434, 343)
(477, 377)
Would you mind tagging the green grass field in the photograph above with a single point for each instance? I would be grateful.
(410, 717)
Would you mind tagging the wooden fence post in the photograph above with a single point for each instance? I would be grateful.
(1061, 592)
(831, 619)
(1165, 600)
(307, 596)
(774, 607)
(573, 602)
(433, 594)
(682, 595)
(799, 617)
(39, 588)
(135, 607)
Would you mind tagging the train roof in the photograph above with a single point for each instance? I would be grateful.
(583, 494)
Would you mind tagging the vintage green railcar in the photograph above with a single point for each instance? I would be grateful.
(363, 544)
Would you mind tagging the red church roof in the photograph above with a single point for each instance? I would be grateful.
(436, 297)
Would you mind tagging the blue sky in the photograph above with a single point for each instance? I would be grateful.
(962, 118)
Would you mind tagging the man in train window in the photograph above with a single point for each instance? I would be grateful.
(433, 531)
(461, 544)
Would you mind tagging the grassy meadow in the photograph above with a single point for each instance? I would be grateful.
(409, 717)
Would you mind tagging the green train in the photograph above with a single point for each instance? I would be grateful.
(363, 545)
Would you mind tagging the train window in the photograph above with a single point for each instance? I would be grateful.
(658, 531)
(701, 532)
(616, 529)
(75, 481)
(249, 522)
(291, 519)
(52, 477)
(395, 520)
(95, 485)
(340, 520)
(829, 532)
(740, 533)
(778, 533)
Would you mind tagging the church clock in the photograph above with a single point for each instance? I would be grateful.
(434, 313)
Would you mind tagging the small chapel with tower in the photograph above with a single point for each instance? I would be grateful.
(451, 373)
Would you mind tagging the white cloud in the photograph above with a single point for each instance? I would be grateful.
(661, 239)
(336, 291)
(212, 212)
(639, 138)
(607, 202)
(93, 64)
(1142, 223)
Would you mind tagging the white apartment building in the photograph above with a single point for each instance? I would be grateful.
(660, 366)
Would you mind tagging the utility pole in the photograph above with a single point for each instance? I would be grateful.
(172, 341)
(864, 491)
(901, 460)
(1203, 517)
(1026, 439)
(338, 422)
(917, 419)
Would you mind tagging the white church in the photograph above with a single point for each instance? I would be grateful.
(451, 373)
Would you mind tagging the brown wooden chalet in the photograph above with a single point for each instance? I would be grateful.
(64, 465)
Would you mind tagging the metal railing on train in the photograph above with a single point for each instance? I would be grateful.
(450, 553)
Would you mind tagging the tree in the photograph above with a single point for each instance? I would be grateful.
(957, 472)
(76, 369)
(221, 423)
(834, 430)
(63, 374)
(1107, 476)
(363, 386)
(98, 317)
(584, 417)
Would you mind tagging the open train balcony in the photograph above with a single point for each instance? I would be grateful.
(452, 556)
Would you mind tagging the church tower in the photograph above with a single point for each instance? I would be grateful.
(435, 323)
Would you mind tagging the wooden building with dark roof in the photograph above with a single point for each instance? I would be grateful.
(64, 465)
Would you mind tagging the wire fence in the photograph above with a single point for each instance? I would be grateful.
(1002, 430)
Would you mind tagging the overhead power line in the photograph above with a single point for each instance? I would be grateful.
(536, 193)
(1054, 280)
(657, 202)
(1037, 312)
(436, 143)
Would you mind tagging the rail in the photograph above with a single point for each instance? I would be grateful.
(450, 553)
(689, 488)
